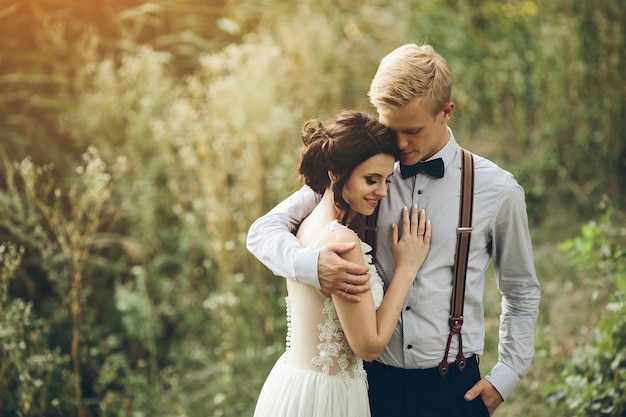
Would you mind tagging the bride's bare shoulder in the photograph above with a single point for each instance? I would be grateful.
(340, 234)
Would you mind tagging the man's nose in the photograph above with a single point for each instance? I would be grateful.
(402, 141)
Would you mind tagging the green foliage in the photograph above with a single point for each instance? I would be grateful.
(175, 288)
(598, 252)
(29, 370)
(594, 382)
(57, 226)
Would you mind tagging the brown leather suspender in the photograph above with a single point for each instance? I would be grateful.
(463, 234)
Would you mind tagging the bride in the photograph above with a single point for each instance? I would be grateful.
(349, 162)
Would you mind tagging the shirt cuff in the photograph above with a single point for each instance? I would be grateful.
(305, 266)
(503, 379)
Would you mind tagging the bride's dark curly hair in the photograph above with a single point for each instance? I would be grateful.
(339, 147)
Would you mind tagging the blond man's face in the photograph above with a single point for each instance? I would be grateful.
(420, 135)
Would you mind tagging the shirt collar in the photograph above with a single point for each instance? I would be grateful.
(447, 153)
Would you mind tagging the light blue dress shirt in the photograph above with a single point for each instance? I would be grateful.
(500, 233)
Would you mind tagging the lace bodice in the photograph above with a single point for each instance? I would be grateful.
(315, 339)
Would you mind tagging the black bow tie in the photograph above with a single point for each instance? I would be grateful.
(433, 167)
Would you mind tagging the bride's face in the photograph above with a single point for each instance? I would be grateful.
(368, 183)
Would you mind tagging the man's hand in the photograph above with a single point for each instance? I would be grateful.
(491, 397)
(340, 277)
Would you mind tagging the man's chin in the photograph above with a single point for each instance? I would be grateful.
(409, 161)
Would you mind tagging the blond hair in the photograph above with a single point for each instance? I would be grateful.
(411, 72)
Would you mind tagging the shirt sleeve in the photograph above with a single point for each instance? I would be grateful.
(517, 281)
(272, 241)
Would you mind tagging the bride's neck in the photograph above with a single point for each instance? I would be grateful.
(332, 210)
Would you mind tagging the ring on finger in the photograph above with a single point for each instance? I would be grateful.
(347, 288)
(420, 234)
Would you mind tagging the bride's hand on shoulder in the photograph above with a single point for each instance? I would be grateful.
(410, 249)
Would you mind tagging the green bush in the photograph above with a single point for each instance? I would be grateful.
(46, 338)
(593, 384)
(146, 259)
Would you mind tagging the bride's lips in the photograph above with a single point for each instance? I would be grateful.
(372, 202)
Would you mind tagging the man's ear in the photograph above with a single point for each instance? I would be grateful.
(448, 109)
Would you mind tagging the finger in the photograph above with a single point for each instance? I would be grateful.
(406, 224)
(427, 231)
(352, 298)
(421, 227)
(357, 280)
(355, 273)
(340, 247)
(338, 282)
(481, 387)
(351, 293)
(358, 289)
(394, 234)
(330, 259)
(473, 392)
(490, 396)
(414, 219)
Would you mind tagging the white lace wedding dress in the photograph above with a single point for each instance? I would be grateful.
(318, 375)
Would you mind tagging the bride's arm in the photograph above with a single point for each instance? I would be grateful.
(368, 330)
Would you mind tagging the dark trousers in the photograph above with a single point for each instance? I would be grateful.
(396, 392)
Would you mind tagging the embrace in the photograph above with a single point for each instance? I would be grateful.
(379, 215)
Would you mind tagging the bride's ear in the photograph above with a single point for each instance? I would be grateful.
(333, 177)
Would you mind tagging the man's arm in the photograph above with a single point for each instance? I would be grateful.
(272, 241)
(517, 280)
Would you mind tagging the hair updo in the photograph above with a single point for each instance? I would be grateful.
(348, 140)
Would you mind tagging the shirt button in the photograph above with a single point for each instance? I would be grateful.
(407, 308)
(419, 191)
(409, 346)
